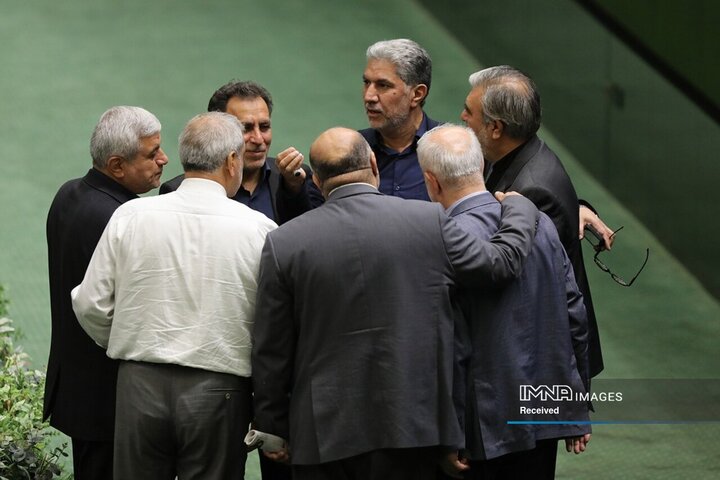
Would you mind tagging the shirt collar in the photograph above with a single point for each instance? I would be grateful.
(458, 202)
(348, 185)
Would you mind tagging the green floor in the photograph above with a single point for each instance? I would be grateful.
(64, 63)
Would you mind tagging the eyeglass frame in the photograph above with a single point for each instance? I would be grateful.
(600, 247)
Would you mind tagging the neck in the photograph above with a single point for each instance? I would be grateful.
(458, 193)
(400, 137)
(251, 179)
(505, 147)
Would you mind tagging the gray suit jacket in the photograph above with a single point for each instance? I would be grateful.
(353, 336)
(531, 332)
(537, 173)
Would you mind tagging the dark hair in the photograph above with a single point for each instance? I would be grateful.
(245, 89)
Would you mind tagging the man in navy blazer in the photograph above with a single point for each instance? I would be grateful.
(281, 188)
(80, 386)
(503, 109)
(353, 354)
(531, 332)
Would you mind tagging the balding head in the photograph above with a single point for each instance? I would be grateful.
(452, 162)
(340, 156)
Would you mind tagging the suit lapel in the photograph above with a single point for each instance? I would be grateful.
(527, 152)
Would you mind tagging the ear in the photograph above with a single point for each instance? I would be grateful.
(419, 93)
(374, 167)
(497, 129)
(432, 184)
(231, 164)
(115, 168)
(318, 183)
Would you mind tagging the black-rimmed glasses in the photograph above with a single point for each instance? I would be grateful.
(599, 247)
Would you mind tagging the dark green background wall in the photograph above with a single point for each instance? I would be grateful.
(636, 133)
(684, 35)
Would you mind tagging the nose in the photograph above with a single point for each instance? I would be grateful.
(161, 158)
(254, 136)
(370, 94)
(463, 115)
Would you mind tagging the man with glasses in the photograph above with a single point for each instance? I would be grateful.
(503, 109)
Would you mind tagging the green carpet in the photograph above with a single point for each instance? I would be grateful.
(64, 63)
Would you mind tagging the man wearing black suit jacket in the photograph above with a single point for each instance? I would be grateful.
(281, 188)
(503, 109)
(353, 354)
(80, 386)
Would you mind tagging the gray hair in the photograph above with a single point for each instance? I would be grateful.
(208, 139)
(451, 159)
(511, 97)
(412, 62)
(119, 132)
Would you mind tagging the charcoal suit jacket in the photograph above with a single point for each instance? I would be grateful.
(353, 335)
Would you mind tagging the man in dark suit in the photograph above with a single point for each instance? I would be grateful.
(353, 353)
(80, 386)
(531, 332)
(281, 188)
(397, 82)
(503, 109)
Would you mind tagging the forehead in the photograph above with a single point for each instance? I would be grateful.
(248, 109)
(380, 69)
(474, 98)
(149, 143)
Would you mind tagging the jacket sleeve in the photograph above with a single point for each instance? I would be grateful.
(291, 205)
(577, 317)
(274, 341)
(478, 263)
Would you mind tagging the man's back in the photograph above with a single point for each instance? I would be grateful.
(372, 318)
(185, 278)
(532, 332)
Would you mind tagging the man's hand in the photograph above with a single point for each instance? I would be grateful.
(588, 217)
(289, 162)
(280, 456)
(453, 466)
(577, 444)
(501, 195)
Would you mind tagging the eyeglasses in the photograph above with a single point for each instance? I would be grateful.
(600, 247)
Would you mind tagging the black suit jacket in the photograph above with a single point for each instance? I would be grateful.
(353, 336)
(286, 206)
(80, 385)
(536, 172)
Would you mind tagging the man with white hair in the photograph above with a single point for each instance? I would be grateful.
(80, 386)
(170, 292)
(531, 332)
